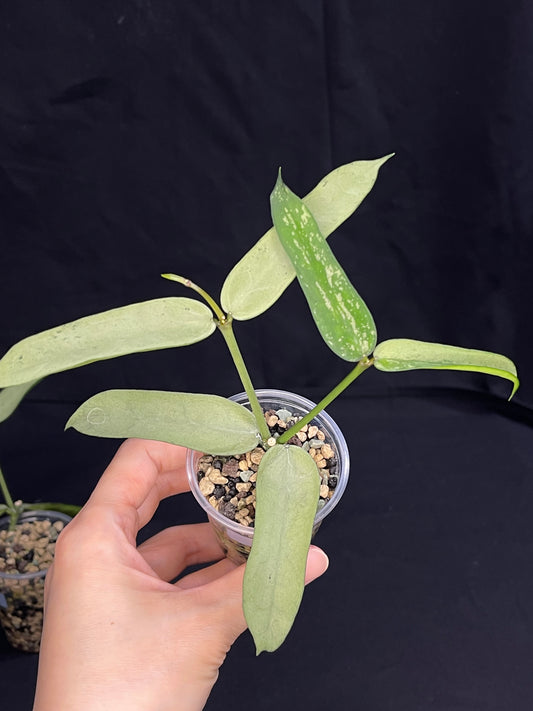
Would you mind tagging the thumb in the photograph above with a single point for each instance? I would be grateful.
(225, 593)
(317, 564)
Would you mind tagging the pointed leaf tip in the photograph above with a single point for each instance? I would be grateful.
(400, 354)
(342, 317)
(265, 271)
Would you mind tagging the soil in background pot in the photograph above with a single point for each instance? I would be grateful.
(25, 555)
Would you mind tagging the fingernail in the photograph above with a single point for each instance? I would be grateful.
(320, 557)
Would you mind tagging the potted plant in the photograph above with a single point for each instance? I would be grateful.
(283, 449)
(28, 534)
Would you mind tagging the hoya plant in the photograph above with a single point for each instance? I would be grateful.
(295, 246)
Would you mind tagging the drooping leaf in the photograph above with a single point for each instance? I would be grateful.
(341, 315)
(262, 275)
(287, 494)
(405, 354)
(11, 397)
(147, 326)
(207, 423)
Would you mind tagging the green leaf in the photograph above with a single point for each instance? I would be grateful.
(208, 423)
(262, 275)
(341, 315)
(287, 495)
(147, 326)
(405, 354)
(10, 398)
(69, 509)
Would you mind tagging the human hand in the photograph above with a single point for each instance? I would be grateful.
(117, 635)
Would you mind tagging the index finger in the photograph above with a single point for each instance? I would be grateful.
(140, 475)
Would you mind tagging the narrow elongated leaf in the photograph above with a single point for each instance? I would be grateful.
(147, 326)
(69, 509)
(405, 354)
(341, 315)
(262, 275)
(10, 398)
(287, 494)
(208, 423)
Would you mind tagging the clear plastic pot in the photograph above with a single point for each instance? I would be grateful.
(22, 594)
(235, 538)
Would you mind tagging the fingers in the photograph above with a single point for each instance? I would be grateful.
(141, 474)
(169, 552)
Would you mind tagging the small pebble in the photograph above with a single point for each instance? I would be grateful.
(206, 486)
(216, 476)
(231, 468)
(315, 443)
(272, 420)
(257, 455)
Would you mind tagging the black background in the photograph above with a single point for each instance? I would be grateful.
(144, 136)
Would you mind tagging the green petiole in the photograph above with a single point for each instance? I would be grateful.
(361, 366)
(224, 324)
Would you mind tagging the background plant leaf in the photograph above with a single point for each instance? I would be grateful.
(341, 315)
(287, 496)
(69, 509)
(405, 354)
(146, 326)
(10, 398)
(262, 275)
(207, 423)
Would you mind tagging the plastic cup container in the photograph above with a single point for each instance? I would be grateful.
(235, 538)
(22, 594)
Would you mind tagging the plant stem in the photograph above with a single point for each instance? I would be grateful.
(12, 509)
(5, 491)
(226, 329)
(361, 366)
(224, 324)
(221, 316)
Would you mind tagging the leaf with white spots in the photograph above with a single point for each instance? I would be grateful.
(341, 315)
(400, 354)
(262, 275)
(146, 326)
(208, 423)
(287, 492)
